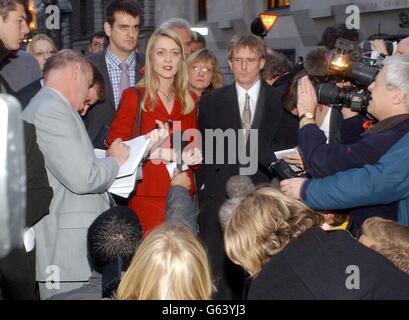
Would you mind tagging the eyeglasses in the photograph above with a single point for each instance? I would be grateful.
(240, 61)
(202, 69)
(45, 54)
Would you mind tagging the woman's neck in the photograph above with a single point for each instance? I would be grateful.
(165, 85)
(197, 92)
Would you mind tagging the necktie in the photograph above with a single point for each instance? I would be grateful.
(124, 81)
(246, 117)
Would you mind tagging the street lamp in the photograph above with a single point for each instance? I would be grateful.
(263, 24)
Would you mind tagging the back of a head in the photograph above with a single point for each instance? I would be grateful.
(263, 224)
(331, 34)
(277, 65)
(63, 59)
(316, 62)
(388, 238)
(116, 233)
(170, 264)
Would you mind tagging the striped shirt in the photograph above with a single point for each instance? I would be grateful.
(115, 71)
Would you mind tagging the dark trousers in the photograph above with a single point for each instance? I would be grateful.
(17, 276)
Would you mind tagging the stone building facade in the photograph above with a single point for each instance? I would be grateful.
(300, 24)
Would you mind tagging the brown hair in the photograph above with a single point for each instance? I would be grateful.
(246, 40)
(277, 65)
(126, 6)
(6, 6)
(390, 239)
(264, 223)
(290, 95)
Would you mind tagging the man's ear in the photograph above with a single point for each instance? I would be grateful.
(230, 64)
(262, 63)
(398, 97)
(107, 29)
(76, 70)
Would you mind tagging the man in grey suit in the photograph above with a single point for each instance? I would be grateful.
(78, 179)
(120, 65)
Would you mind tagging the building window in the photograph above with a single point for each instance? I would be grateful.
(83, 17)
(278, 4)
(202, 10)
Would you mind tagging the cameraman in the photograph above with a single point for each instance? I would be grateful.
(389, 104)
(321, 159)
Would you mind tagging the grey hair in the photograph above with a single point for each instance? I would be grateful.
(64, 58)
(397, 74)
(177, 23)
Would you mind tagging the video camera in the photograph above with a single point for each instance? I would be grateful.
(347, 64)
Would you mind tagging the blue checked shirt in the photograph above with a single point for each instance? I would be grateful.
(114, 72)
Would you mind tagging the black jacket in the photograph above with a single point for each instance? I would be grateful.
(219, 109)
(328, 265)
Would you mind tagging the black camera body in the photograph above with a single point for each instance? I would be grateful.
(331, 94)
(282, 170)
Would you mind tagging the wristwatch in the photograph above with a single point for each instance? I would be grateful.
(307, 115)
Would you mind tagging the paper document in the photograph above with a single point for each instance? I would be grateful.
(124, 183)
(280, 154)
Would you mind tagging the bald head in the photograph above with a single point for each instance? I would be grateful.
(69, 73)
(403, 47)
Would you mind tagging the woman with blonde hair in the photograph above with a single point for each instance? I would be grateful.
(41, 47)
(279, 242)
(204, 72)
(170, 264)
(388, 238)
(164, 97)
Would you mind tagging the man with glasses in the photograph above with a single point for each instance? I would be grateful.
(254, 111)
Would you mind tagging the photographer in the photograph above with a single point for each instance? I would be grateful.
(389, 105)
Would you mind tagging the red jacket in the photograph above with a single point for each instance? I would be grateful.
(156, 180)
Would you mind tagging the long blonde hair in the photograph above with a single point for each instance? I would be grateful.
(150, 81)
(264, 223)
(170, 264)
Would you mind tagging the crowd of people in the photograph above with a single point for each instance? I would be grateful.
(204, 230)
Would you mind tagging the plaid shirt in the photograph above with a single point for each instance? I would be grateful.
(115, 71)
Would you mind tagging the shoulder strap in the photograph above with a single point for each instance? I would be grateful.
(138, 118)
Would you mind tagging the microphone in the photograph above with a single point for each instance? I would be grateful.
(238, 187)
(12, 175)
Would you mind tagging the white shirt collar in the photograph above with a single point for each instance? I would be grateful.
(253, 92)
